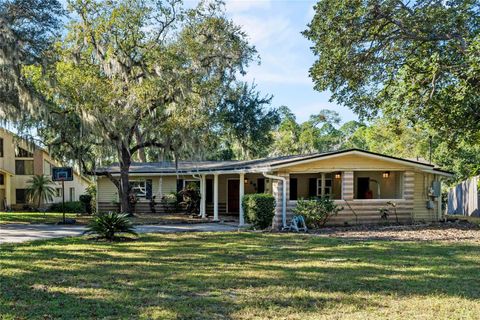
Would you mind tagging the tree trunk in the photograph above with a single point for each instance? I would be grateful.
(124, 190)
(141, 153)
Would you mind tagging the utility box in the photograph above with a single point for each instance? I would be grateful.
(437, 189)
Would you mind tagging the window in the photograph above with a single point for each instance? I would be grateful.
(47, 168)
(2, 179)
(21, 196)
(139, 188)
(58, 192)
(22, 153)
(378, 185)
(24, 167)
(191, 183)
(72, 194)
(327, 189)
(1, 148)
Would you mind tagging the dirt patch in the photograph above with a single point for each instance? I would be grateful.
(458, 231)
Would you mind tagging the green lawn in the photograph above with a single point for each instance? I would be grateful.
(40, 217)
(54, 217)
(239, 276)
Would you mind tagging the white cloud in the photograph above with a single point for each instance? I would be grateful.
(263, 32)
(279, 43)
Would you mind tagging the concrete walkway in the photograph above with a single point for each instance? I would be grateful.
(15, 233)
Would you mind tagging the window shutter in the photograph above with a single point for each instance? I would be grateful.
(312, 187)
(148, 187)
(179, 185)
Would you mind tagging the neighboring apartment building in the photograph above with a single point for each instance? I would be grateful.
(19, 162)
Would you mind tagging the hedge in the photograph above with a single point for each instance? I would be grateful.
(259, 209)
(70, 207)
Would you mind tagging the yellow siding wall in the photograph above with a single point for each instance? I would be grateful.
(169, 185)
(345, 162)
(423, 181)
(7, 162)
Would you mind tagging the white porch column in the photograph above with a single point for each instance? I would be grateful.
(203, 200)
(215, 197)
(347, 185)
(322, 185)
(160, 187)
(241, 219)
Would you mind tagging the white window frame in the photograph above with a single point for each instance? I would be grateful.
(139, 191)
(47, 168)
(322, 187)
(72, 193)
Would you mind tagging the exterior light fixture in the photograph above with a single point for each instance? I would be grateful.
(338, 175)
(245, 181)
(386, 174)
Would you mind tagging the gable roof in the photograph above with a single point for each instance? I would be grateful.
(258, 165)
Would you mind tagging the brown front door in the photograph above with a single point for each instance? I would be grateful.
(233, 196)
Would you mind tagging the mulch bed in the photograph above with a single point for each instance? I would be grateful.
(456, 231)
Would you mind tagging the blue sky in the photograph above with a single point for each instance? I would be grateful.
(274, 27)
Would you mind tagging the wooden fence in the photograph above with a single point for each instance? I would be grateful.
(464, 198)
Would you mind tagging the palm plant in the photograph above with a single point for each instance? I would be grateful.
(40, 190)
(106, 225)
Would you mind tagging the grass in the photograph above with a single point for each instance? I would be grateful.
(40, 217)
(54, 217)
(239, 276)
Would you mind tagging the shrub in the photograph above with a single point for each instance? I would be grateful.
(191, 198)
(70, 207)
(86, 199)
(317, 211)
(385, 211)
(92, 191)
(259, 209)
(170, 202)
(107, 225)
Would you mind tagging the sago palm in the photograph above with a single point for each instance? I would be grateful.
(40, 189)
(107, 225)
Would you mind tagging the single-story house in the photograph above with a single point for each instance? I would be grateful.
(361, 182)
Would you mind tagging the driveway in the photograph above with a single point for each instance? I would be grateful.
(15, 233)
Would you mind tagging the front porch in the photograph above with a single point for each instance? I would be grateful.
(361, 194)
(221, 194)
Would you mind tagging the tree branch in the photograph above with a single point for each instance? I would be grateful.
(146, 144)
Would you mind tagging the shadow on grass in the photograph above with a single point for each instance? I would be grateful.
(200, 276)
